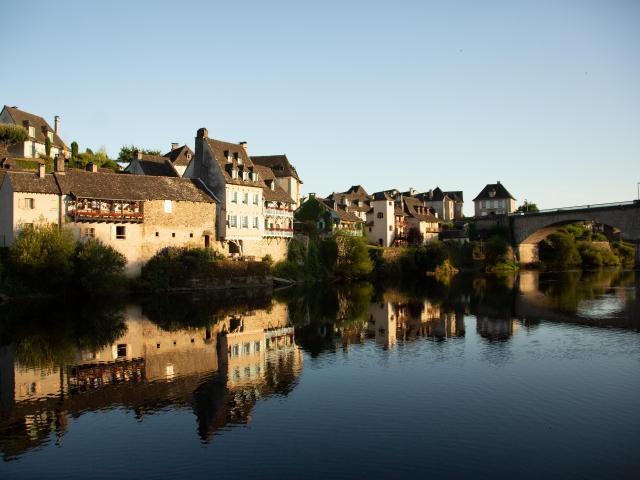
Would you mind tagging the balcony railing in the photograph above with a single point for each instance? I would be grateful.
(278, 232)
(279, 212)
(101, 210)
(99, 216)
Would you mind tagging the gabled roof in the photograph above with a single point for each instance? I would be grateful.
(181, 156)
(111, 186)
(456, 196)
(279, 164)
(40, 125)
(117, 186)
(343, 214)
(238, 159)
(354, 195)
(278, 194)
(156, 165)
(358, 189)
(30, 182)
(386, 195)
(418, 210)
(493, 191)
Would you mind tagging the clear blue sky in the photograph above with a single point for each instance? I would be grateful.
(542, 95)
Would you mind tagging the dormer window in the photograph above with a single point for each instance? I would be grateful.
(32, 132)
(255, 176)
(50, 136)
(245, 175)
(234, 173)
(188, 156)
(227, 156)
(238, 158)
(272, 185)
(492, 193)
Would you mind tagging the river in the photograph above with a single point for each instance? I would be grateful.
(485, 377)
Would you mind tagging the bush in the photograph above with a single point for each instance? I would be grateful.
(626, 253)
(268, 259)
(596, 256)
(98, 267)
(353, 257)
(41, 257)
(559, 250)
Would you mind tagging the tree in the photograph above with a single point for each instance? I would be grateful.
(47, 148)
(11, 135)
(74, 150)
(559, 249)
(98, 267)
(414, 236)
(126, 152)
(353, 257)
(528, 207)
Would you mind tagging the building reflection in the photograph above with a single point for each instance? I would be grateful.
(219, 370)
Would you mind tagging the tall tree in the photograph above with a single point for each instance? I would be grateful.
(528, 207)
(11, 135)
(47, 148)
(74, 150)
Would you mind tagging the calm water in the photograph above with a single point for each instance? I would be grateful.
(486, 377)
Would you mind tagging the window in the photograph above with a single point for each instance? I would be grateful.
(245, 222)
(380, 215)
(50, 136)
(369, 229)
(256, 347)
(32, 132)
(246, 348)
(235, 350)
(255, 222)
(122, 350)
(245, 198)
(234, 197)
(391, 228)
(90, 232)
(256, 198)
(168, 206)
(233, 221)
(391, 204)
(245, 175)
(234, 173)
(121, 232)
(191, 235)
(29, 203)
(157, 234)
(173, 234)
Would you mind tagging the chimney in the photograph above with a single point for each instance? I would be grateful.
(137, 155)
(202, 133)
(498, 182)
(41, 170)
(174, 146)
(92, 167)
(244, 145)
(58, 164)
(56, 124)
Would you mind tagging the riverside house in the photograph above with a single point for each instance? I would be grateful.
(494, 199)
(135, 214)
(329, 217)
(38, 131)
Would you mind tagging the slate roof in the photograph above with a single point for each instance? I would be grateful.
(353, 195)
(30, 182)
(279, 164)
(238, 158)
(40, 125)
(278, 194)
(181, 156)
(344, 215)
(383, 195)
(112, 186)
(499, 192)
(456, 196)
(417, 209)
(156, 165)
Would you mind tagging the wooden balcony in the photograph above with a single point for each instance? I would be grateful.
(281, 232)
(99, 210)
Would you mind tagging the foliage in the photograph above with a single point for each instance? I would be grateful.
(528, 207)
(353, 257)
(11, 135)
(100, 159)
(626, 253)
(47, 259)
(74, 150)
(41, 257)
(559, 250)
(424, 259)
(328, 253)
(127, 151)
(498, 254)
(414, 236)
(47, 148)
(180, 268)
(98, 267)
(310, 213)
(594, 255)
(268, 259)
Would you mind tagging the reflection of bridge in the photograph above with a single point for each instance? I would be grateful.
(528, 230)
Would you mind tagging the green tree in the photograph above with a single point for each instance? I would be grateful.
(11, 135)
(98, 267)
(528, 207)
(559, 250)
(414, 236)
(47, 148)
(126, 152)
(353, 258)
(74, 150)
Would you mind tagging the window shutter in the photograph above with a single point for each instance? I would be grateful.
(21, 203)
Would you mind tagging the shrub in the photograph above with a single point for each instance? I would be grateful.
(559, 249)
(626, 253)
(41, 257)
(328, 252)
(268, 259)
(596, 256)
(353, 257)
(98, 267)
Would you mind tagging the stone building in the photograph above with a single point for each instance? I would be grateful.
(285, 174)
(494, 199)
(137, 215)
(38, 131)
(356, 200)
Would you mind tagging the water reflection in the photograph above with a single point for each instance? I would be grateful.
(217, 357)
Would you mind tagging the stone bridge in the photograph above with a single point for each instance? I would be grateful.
(528, 230)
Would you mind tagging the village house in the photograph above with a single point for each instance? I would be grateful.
(255, 217)
(180, 157)
(38, 131)
(285, 173)
(329, 217)
(172, 164)
(138, 215)
(393, 215)
(356, 199)
(494, 199)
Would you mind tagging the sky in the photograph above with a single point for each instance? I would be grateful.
(541, 95)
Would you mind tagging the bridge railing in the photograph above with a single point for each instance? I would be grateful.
(578, 207)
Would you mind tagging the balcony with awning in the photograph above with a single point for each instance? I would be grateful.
(105, 210)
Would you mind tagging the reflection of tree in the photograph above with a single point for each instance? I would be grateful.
(46, 335)
(568, 290)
